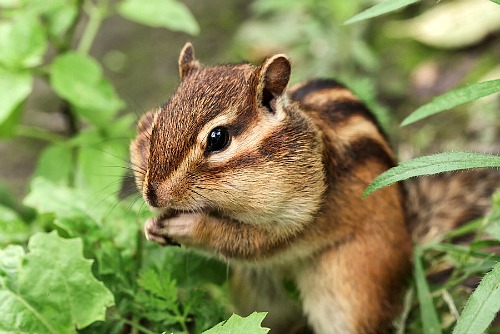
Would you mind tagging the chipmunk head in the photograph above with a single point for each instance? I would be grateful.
(227, 142)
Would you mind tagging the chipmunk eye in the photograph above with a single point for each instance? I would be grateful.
(217, 139)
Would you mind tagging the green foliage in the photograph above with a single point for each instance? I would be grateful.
(238, 325)
(429, 316)
(433, 164)
(51, 288)
(452, 99)
(482, 306)
(380, 9)
(169, 14)
(78, 79)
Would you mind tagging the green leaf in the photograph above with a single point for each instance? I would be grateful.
(14, 89)
(496, 1)
(168, 14)
(239, 325)
(58, 15)
(102, 163)
(452, 99)
(64, 202)
(482, 305)
(52, 289)
(380, 9)
(22, 41)
(12, 227)
(55, 164)
(432, 164)
(78, 79)
(428, 315)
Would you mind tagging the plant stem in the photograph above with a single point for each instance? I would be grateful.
(38, 133)
(96, 13)
(136, 326)
(70, 118)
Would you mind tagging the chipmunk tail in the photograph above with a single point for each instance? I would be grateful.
(439, 203)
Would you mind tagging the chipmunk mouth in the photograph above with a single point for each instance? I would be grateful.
(166, 213)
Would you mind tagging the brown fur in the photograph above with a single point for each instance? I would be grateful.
(282, 202)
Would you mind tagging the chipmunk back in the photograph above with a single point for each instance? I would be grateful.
(271, 180)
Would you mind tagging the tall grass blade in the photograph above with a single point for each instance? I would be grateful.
(482, 305)
(380, 9)
(452, 99)
(433, 164)
(428, 315)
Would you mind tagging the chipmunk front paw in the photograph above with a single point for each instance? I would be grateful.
(176, 230)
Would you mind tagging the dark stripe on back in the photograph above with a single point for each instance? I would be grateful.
(314, 86)
(336, 111)
(358, 153)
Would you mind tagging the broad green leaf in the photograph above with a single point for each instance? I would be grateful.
(170, 14)
(58, 15)
(452, 99)
(433, 164)
(55, 164)
(102, 163)
(428, 315)
(64, 202)
(78, 79)
(14, 88)
(380, 9)
(496, 1)
(52, 289)
(12, 227)
(87, 215)
(482, 305)
(22, 41)
(239, 325)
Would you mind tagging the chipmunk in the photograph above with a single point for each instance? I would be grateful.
(271, 179)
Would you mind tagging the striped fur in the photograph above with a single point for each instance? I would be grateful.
(283, 201)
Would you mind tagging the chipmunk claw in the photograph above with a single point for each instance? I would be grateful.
(155, 230)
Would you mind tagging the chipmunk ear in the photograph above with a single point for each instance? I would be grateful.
(274, 74)
(187, 63)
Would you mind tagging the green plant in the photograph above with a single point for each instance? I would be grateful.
(92, 272)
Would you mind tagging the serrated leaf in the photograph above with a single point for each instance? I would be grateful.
(452, 99)
(432, 164)
(14, 88)
(163, 287)
(168, 14)
(428, 315)
(241, 325)
(22, 41)
(78, 79)
(380, 9)
(53, 290)
(482, 305)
